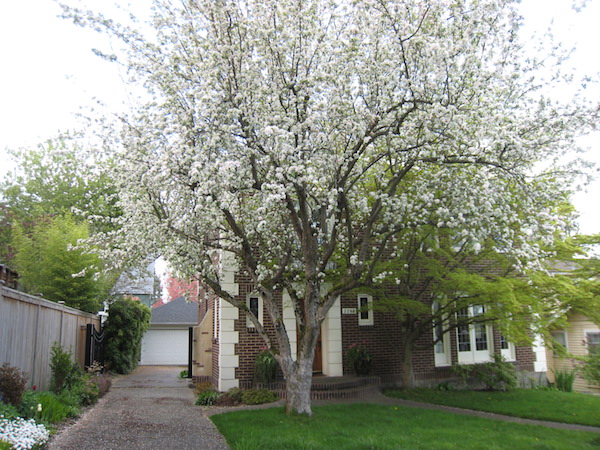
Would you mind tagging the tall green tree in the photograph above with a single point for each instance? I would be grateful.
(58, 177)
(50, 264)
(284, 134)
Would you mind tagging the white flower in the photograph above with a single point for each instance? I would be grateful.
(23, 434)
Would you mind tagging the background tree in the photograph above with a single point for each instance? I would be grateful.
(59, 177)
(283, 136)
(127, 322)
(50, 265)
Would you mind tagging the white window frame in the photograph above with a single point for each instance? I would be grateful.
(509, 353)
(250, 296)
(365, 317)
(441, 349)
(472, 355)
(587, 334)
(564, 337)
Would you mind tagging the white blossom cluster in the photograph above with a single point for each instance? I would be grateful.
(23, 434)
(293, 134)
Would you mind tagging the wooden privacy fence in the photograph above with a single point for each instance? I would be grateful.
(29, 326)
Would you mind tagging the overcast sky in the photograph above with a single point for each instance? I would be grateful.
(49, 74)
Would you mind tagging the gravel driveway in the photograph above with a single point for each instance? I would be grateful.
(149, 409)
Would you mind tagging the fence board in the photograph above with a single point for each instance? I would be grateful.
(30, 325)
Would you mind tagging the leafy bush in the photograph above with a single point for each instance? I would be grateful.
(207, 398)
(127, 322)
(5, 445)
(65, 372)
(258, 396)
(183, 374)
(12, 384)
(265, 367)
(564, 379)
(232, 397)
(22, 433)
(8, 411)
(360, 358)
(498, 375)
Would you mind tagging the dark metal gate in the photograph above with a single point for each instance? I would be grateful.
(94, 346)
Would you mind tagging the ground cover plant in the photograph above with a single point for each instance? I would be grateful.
(378, 426)
(539, 404)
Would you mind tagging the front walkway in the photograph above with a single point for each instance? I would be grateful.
(149, 409)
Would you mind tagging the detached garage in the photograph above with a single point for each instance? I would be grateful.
(166, 343)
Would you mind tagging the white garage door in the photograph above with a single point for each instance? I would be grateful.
(165, 347)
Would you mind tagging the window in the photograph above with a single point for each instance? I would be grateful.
(255, 305)
(473, 340)
(441, 339)
(560, 336)
(365, 310)
(592, 339)
(507, 349)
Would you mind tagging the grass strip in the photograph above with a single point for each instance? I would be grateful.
(555, 406)
(368, 426)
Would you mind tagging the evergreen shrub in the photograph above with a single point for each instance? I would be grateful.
(127, 322)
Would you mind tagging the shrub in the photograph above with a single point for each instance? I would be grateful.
(12, 384)
(360, 358)
(5, 445)
(65, 372)
(564, 379)
(232, 397)
(265, 367)
(498, 375)
(258, 396)
(183, 374)
(127, 322)
(22, 433)
(207, 398)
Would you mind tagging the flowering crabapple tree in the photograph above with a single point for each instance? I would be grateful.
(299, 137)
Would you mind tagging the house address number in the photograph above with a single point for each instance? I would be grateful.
(348, 310)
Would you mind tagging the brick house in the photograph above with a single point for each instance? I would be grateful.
(226, 343)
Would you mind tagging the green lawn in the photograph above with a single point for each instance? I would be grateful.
(557, 406)
(368, 426)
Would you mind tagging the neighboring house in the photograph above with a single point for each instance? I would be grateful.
(232, 343)
(139, 284)
(8, 277)
(167, 340)
(576, 338)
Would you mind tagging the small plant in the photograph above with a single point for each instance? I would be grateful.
(564, 379)
(12, 384)
(65, 372)
(265, 367)
(22, 434)
(207, 398)
(203, 387)
(359, 358)
(258, 396)
(8, 411)
(183, 374)
(48, 407)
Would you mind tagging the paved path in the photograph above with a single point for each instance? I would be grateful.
(149, 409)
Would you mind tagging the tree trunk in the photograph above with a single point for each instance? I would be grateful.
(298, 389)
(408, 381)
